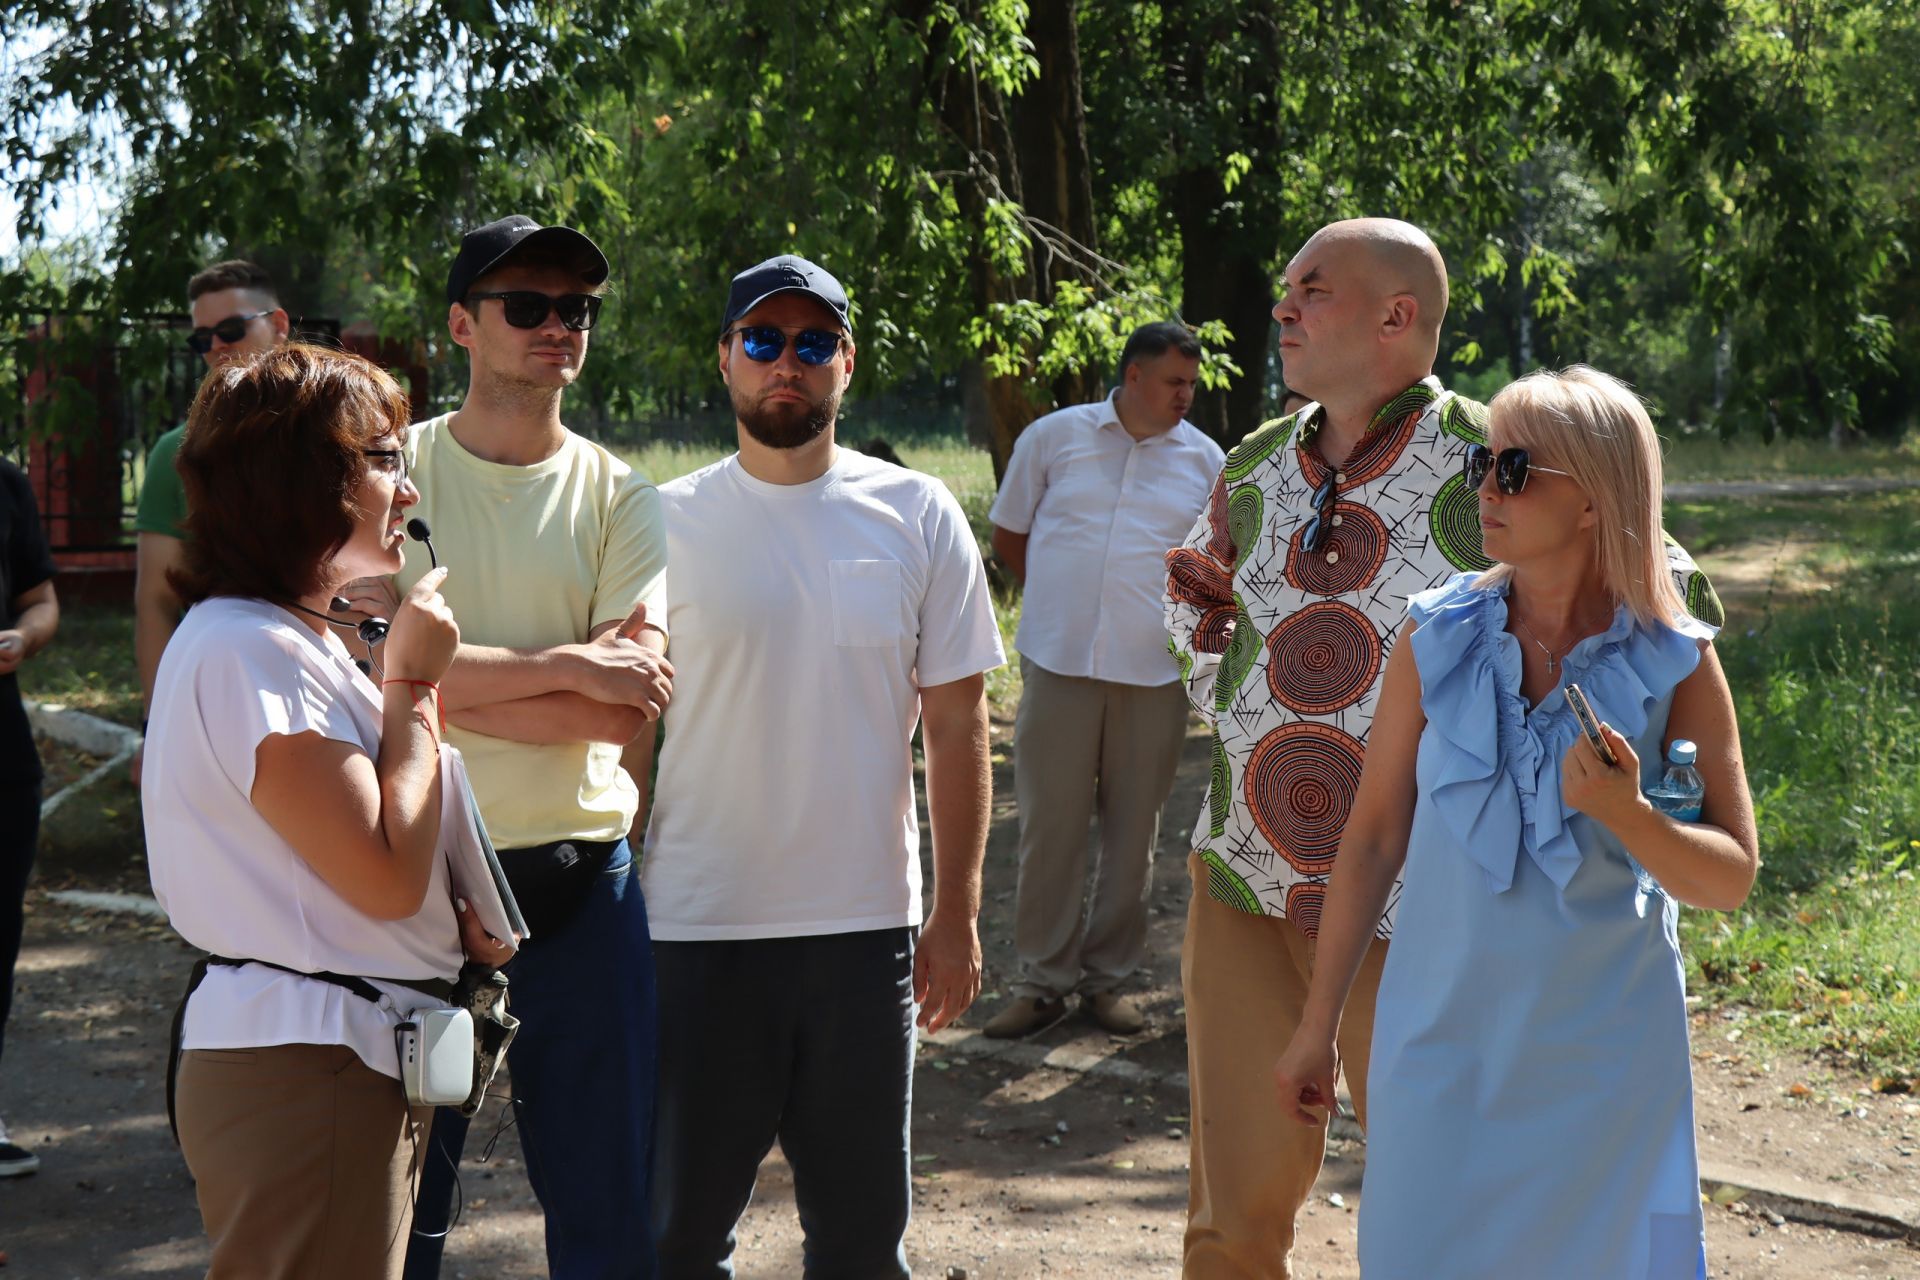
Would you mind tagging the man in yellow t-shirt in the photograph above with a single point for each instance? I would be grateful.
(557, 562)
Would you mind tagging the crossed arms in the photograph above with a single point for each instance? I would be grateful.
(611, 688)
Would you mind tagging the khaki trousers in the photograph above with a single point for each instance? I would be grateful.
(1081, 745)
(1245, 978)
(304, 1160)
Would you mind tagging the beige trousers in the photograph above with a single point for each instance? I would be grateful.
(304, 1160)
(1245, 978)
(1084, 746)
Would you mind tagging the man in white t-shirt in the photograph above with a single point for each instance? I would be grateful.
(822, 603)
(1092, 499)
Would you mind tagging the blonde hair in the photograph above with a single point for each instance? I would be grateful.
(1594, 427)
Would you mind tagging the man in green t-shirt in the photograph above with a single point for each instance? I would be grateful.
(236, 314)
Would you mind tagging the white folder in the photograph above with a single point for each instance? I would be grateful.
(473, 868)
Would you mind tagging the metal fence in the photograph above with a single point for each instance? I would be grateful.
(119, 385)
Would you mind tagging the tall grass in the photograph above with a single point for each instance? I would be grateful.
(1831, 706)
(1827, 949)
(965, 469)
(1703, 455)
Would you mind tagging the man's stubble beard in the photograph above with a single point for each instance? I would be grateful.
(785, 426)
(514, 391)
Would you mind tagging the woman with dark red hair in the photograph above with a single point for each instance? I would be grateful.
(292, 810)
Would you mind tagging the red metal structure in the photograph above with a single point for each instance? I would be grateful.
(86, 480)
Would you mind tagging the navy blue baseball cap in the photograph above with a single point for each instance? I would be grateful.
(785, 274)
(484, 248)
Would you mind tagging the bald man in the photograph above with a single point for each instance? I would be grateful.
(1283, 604)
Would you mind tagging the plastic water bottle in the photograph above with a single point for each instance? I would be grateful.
(1679, 793)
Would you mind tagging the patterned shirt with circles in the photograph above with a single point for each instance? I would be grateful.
(1283, 650)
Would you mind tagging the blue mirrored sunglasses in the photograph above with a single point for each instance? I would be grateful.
(763, 343)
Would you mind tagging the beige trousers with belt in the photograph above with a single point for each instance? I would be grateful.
(1253, 1165)
(304, 1160)
(1083, 746)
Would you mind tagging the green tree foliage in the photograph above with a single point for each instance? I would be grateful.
(1007, 187)
(1743, 254)
(341, 143)
(312, 124)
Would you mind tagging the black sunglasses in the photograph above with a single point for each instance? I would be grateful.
(1319, 530)
(763, 343)
(230, 330)
(529, 308)
(1509, 467)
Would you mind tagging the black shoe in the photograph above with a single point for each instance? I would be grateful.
(15, 1161)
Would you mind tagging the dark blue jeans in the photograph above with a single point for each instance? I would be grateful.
(809, 1040)
(19, 833)
(583, 1084)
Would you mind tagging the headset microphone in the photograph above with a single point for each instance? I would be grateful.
(418, 531)
(373, 630)
(370, 630)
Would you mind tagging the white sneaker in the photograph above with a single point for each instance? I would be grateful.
(15, 1161)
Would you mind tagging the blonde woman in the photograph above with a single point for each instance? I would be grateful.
(1530, 1089)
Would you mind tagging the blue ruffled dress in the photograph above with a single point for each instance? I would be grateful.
(1530, 1089)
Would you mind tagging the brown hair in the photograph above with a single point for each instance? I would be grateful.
(270, 461)
(235, 273)
(1156, 339)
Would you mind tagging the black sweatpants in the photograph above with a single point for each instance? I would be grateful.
(808, 1040)
(19, 834)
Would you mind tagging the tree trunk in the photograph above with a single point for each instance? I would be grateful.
(1227, 239)
(1056, 170)
(1222, 281)
(1032, 150)
(997, 411)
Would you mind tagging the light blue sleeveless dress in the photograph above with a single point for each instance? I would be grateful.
(1530, 1090)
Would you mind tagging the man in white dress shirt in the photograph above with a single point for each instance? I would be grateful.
(1093, 498)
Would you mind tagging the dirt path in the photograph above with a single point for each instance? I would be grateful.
(1021, 1170)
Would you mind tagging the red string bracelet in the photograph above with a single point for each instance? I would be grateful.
(427, 684)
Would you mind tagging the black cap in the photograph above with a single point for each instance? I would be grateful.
(484, 248)
(784, 274)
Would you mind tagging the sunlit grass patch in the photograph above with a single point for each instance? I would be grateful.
(1770, 554)
(1828, 947)
(1703, 455)
(89, 666)
(1835, 968)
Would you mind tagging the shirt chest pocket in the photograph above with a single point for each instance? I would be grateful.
(869, 602)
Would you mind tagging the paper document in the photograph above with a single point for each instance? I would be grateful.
(473, 868)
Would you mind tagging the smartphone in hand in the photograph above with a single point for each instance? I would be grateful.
(1590, 726)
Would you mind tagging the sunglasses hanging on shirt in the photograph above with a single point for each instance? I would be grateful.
(1319, 530)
